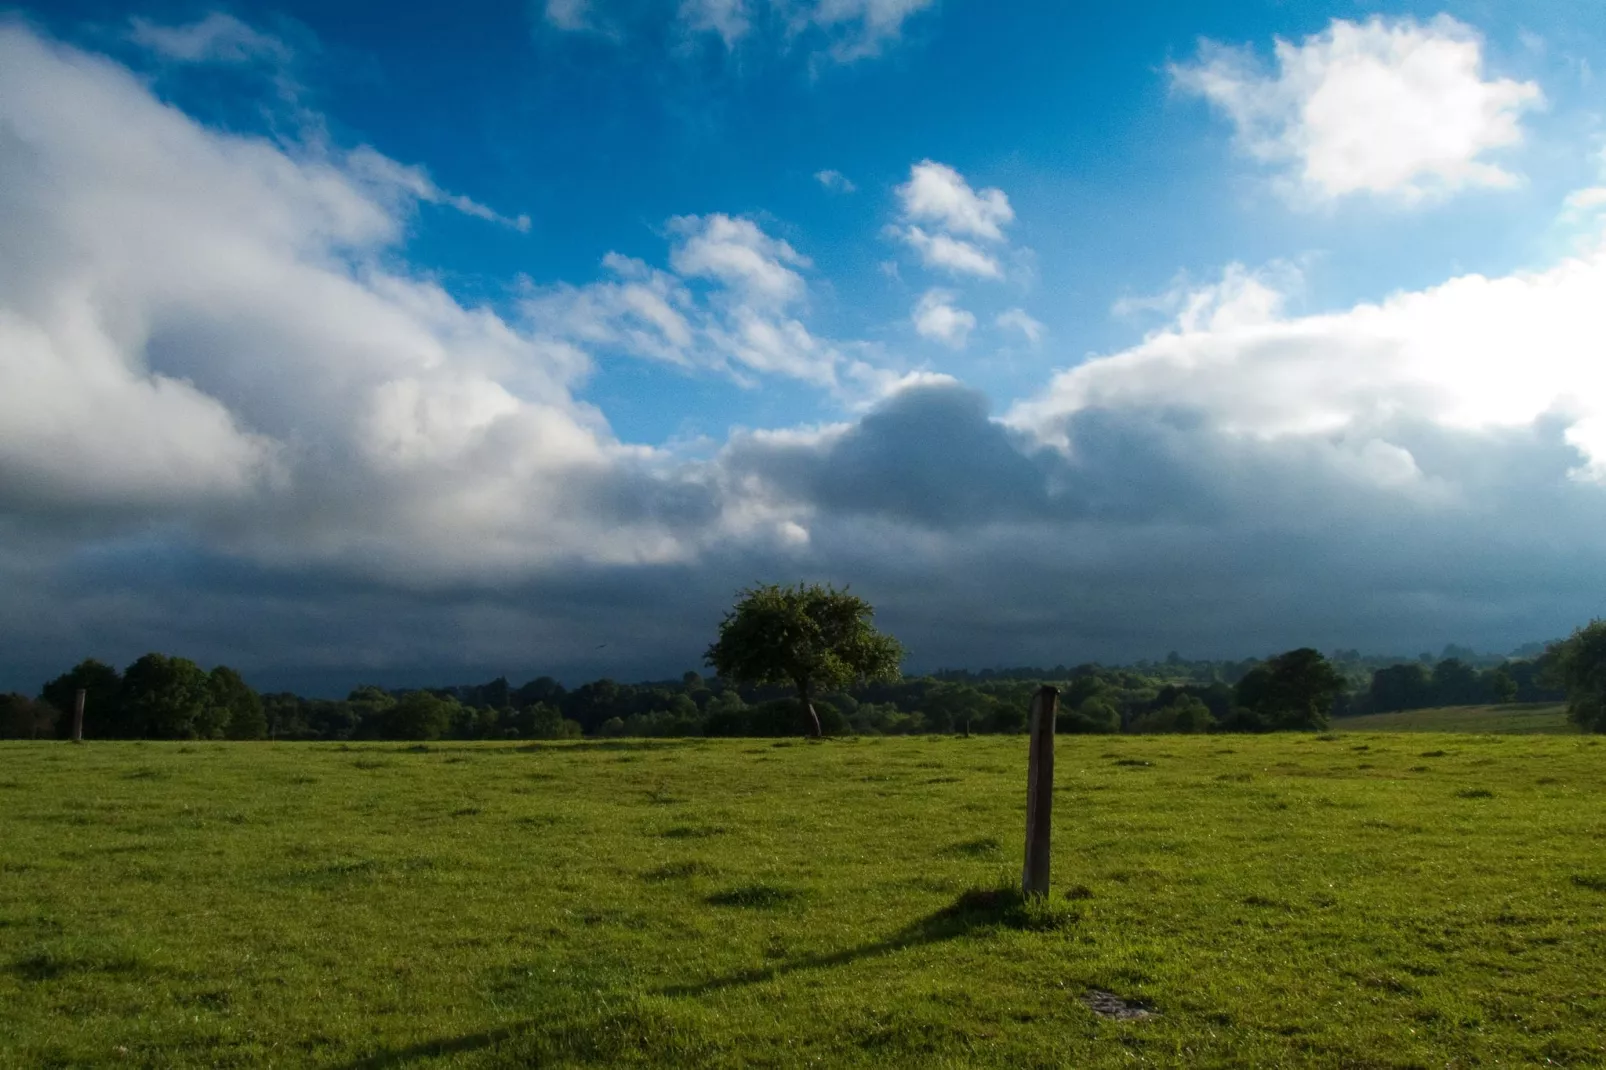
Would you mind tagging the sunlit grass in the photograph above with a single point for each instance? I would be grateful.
(1378, 900)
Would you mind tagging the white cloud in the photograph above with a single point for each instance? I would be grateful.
(218, 38)
(1017, 319)
(937, 196)
(644, 312)
(1393, 108)
(844, 31)
(949, 253)
(1474, 354)
(1587, 200)
(936, 193)
(215, 334)
(740, 255)
(936, 317)
(857, 28)
(213, 347)
(835, 181)
(388, 177)
(745, 323)
(728, 18)
(572, 15)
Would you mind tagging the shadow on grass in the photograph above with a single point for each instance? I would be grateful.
(435, 1049)
(974, 910)
(606, 1042)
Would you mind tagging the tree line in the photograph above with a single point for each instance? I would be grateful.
(163, 697)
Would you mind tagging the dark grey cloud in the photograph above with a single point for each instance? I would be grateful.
(261, 439)
(1287, 554)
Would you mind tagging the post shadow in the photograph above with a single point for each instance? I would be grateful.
(978, 908)
(974, 910)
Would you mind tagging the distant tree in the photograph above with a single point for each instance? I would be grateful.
(24, 718)
(545, 721)
(1537, 679)
(953, 708)
(1294, 690)
(541, 689)
(1455, 683)
(169, 698)
(1182, 713)
(239, 707)
(421, 715)
(1094, 714)
(1500, 684)
(103, 713)
(1400, 687)
(496, 694)
(591, 704)
(1578, 663)
(814, 638)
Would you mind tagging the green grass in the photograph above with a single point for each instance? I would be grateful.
(1344, 900)
(1515, 719)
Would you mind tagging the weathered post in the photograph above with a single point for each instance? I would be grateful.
(1040, 791)
(78, 716)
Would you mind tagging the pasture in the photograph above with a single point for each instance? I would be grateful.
(1387, 900)
(1517, 718)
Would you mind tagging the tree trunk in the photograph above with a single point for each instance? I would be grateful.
(808, 707)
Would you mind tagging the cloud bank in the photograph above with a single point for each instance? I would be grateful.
(235, 422)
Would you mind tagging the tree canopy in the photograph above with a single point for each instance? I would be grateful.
(815, 638)
(1579, 664)
(1292, 690)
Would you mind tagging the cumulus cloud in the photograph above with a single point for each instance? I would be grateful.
(938, 196)
(835, 181)
(572, 15)
(950, 254)
(1585, 204)
(936, 317)
(1474, 354)
(727, 18)
(936, 193)
(740, 255)
(217, 38)
(1393, 108)
(236, 423)
(212, 333)
(1020, 322)
(745, 323)
(856, 29)
(843, 31)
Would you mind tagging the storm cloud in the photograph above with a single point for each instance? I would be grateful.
(237, 424)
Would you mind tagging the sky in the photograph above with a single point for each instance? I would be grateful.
(349, 342)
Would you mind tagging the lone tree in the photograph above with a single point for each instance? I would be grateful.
(1579, 664)
(1294, 690)
(814, 638)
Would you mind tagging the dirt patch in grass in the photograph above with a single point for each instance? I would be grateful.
(1111, 1006)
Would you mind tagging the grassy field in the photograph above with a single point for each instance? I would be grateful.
(1356, 900)
(1515, 719)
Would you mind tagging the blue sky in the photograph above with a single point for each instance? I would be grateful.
(400, 340)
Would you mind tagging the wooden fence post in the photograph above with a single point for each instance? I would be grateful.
(78, 716)
(1040, 791)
